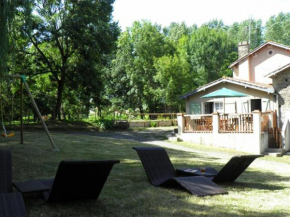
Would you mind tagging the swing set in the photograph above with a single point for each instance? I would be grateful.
(5, 134)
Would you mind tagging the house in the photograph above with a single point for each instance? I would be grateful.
(262, 77)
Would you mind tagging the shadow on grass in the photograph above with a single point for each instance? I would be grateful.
(128, 192)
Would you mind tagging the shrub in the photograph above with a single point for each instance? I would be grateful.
(153, 124)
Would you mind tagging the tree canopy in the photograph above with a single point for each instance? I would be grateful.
(76, 58)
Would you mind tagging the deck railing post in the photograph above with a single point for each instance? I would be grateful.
(181, 123)
(257, 130)
(215, 123)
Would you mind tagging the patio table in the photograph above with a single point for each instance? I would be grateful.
(209, 172)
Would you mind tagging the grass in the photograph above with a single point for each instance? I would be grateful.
(262, 190)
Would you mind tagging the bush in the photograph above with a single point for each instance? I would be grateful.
(105, 124)
(153, 124)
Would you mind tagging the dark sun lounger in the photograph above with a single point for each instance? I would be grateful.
(5, 171)
(229, 173)
(12, 205)
(74, 180)
(161, 172)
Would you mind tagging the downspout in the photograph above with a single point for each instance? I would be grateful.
(277, 109)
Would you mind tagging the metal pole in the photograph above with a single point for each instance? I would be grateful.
(39, 115)
(21, 112)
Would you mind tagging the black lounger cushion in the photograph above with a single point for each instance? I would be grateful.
(5, 171)
(161, 172)
(234, 168)
(74, 180)
(12, 205)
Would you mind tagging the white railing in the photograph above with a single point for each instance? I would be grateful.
(227, 123)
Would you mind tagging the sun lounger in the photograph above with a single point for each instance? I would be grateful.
(161, 172)
(229, 173)
(5, 171)
(74, 180)
(12, 205)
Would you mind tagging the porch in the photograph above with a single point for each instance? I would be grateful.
(251, 132)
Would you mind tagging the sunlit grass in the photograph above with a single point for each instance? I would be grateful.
(262, 190)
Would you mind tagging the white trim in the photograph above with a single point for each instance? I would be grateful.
(267, 90)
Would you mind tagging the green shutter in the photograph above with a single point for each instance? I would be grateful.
(195, 108)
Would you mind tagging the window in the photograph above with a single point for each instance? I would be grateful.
(218, 107)
(270, 52)
(195, 108)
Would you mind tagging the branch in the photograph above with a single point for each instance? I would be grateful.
(44, 57)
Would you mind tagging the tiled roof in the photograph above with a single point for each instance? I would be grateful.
(258, 48)
(272, 74)
(254, 85)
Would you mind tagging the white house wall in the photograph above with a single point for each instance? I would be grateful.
(262, 62)
(242, 71)
(268, 100)
(256, 66)
(244, 142)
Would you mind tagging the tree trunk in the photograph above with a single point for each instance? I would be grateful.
(60, 87)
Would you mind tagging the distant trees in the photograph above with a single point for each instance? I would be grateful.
(132, 78)
(153, 68)
(249, 30)
(278, 29)
(76, 58)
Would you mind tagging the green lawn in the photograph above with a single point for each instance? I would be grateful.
(263, 190)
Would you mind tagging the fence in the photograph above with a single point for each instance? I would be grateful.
(274, 138)
(198, 123)
(236, 123)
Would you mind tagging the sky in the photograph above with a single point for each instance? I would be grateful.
(164, 12)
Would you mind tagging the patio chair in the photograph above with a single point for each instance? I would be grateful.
(5, 171)
(74, 180)
(229, 173)
(161, 172)
(12, 205)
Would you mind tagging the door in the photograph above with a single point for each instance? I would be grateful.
(256, 104)
(208, 107)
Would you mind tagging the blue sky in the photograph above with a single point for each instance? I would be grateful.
(164, 12)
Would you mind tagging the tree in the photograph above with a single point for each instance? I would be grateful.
(249, 30)
(210, 51)
(133, 68)
(8, 11)
(277, 29)
(176, 31)
(71, 39)
(173, 74)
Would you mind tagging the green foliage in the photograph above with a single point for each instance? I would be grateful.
(210, 52)
(239, 32)
(132, 83)
(72, 42)
(153, 124)
(277, 29)
(68, 51)
(105, 124)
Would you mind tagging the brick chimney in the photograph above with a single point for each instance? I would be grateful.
(243, 48)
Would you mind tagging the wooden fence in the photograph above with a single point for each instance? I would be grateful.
(236, 123)
(198, 123)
